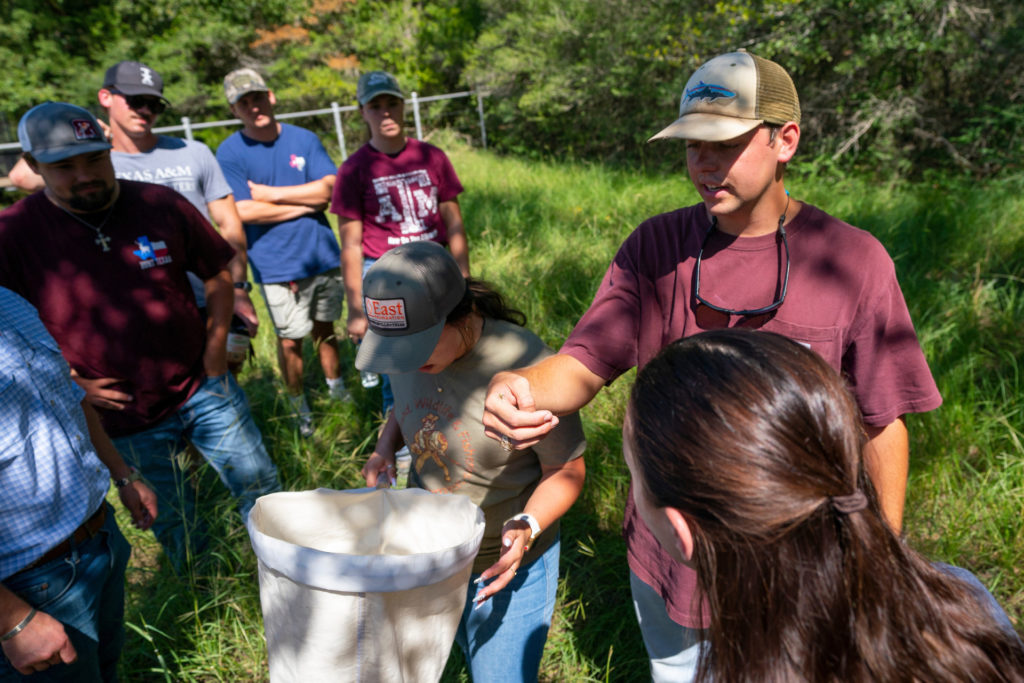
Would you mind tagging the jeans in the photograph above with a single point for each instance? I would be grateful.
(217, 421)
(674, 649)
(504, 639)
(84, 590)
(387, 396)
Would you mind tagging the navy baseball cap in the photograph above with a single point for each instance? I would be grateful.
(134, 78)
(53, 131)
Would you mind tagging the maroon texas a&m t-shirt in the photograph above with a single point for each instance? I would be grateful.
(397, 197)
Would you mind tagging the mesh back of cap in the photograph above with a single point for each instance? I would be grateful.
(777, 101)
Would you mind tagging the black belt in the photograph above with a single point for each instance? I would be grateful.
(83, 533)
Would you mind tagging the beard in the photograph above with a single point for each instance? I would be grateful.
(92, 201)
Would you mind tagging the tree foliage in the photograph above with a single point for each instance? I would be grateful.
(897, 87)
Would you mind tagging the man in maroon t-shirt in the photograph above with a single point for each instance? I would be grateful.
(104, 261)
(747, 255)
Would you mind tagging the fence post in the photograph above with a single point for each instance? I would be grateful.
(416, 115)
(186, 123)
(480, 111)
(336, 110)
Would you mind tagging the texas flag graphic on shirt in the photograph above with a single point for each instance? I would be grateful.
(151, 253)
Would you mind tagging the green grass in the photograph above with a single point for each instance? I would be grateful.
(544, 233)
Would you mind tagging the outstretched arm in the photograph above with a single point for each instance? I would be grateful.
(524, 404)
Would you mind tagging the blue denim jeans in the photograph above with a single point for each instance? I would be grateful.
(84, 590)
(217, 421)
(674, 649)
(504, 639)
(387, 396)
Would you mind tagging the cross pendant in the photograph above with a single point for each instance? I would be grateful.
(103, 241)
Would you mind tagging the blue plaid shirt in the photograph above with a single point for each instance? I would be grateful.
(51, 479)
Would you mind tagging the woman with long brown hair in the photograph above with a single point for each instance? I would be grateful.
(746, 454)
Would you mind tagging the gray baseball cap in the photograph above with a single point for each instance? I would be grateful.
(375, 83)
(53, 131)
(407, 295)
(242, 81)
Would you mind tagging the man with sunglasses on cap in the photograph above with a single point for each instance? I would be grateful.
(132, 94)
(747, 255)
(282, 178)
(104, 261)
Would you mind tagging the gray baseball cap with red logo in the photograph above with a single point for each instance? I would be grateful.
(53, 131)
(407, 295)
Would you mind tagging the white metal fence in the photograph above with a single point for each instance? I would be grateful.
(187, 126)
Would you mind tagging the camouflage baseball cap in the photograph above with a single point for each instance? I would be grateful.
(242, 81)
(53, 131)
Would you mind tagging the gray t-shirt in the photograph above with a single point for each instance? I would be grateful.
(440, 418)
(183, 165)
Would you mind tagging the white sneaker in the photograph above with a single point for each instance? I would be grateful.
(369, 379)
(338, 392)
(306, 428)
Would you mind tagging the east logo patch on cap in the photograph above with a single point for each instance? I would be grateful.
(388, 314)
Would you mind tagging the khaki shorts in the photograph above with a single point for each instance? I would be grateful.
(319, 298)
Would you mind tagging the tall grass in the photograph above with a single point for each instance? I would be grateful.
(544, 233)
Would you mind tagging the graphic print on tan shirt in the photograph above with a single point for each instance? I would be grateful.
(430, 443)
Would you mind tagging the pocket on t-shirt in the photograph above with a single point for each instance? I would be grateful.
(825, 341)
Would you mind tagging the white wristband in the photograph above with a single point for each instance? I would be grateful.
(529, 519)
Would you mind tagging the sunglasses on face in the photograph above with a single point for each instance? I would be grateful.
(154, 104)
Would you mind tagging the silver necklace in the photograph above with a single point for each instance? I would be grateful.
(102, 240)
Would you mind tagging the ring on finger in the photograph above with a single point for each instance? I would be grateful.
(506, 444)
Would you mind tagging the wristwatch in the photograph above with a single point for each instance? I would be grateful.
(245, 286)
(534, 526)
(133, 475)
